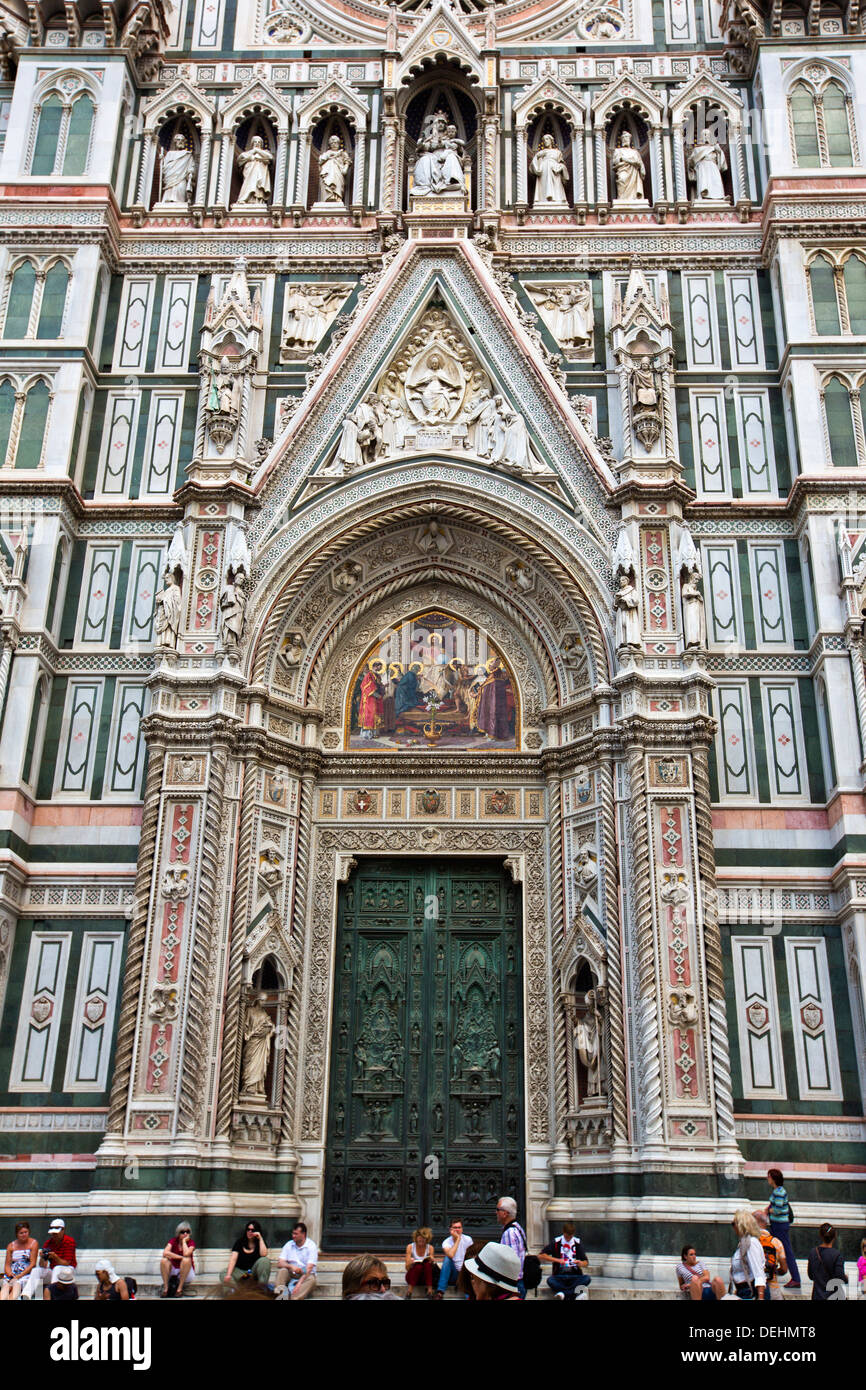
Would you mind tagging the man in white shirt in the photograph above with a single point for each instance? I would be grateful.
(296, 1267)
(454, 1246)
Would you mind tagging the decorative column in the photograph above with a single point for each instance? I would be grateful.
(389, 172)
(577, 164)
(359, 169)
(601, 166)
(200, 195)
(681, 189)
(522, 164)
(279, 198)
(145, 169)
(302, 174)
(658, 165)
(489, 128)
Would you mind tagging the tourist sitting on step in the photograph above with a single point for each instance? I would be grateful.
(296, 1267)
(177, 1265)
(21, 1256)
(420, 1263)
(495, 1273)
(568, 1257)
(454, 1247)
(249, 1258)
(110, 1288)
(694, 1279)
(366, 1277)
(57, 1252)
(64, 1288)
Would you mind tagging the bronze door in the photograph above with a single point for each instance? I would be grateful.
(425, 1114)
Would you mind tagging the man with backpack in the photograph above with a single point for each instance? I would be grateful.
(512, 1235)
(568, 1257)
(774, 1258)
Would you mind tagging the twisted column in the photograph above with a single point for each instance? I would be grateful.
(192, 1067)
(231, 1017)
(136, 941)
(299, 916)
(389, 172)
(649, 1057)
(712, 943)
(563, 1067)
(617, 1089)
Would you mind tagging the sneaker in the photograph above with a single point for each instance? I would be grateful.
(560, 1295)
(582, 1292)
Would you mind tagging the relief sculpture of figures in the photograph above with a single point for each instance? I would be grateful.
(567, 310)
(255, 164)
(177, 171)
(706, 164)
(334, 165)
(629, 171)
(258, 1030)
(548, 166)
(309, 310)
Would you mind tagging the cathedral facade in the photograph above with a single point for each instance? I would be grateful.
(433, 704)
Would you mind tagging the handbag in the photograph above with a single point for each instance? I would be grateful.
(790, 1215)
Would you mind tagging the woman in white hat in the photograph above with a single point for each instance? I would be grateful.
(494, 1273)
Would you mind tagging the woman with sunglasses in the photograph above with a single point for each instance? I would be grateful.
(367, 1277)
(249, 1258)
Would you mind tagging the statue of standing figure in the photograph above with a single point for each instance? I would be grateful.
(548, 166)
(177, 171)
(694, 619)
(627, 604)
(254, 165)
(587, 1042)
(333, 167)
(233, 606)
(258, 1030)
(706, 164)
(629, 171)
(166, 619)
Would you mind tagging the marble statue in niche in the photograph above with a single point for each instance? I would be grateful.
(233, 605)
(259, 1029)
(629, 171)
(177, 172)
(254, 164)
(551, 175)
(167, 606)
(644, 382)
(334, 165)
(438, 168)
(627, 605)
(706, 164)
(694, 617)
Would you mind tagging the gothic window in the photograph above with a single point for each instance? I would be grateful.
(20, 301)
(63, 136)
(854, 286)
(33, 422)
(35, 301)
(804, 123)
(822, 126)
(825, 307)
(7, 412)
(838, 414)
(23, 421)
(836, 125)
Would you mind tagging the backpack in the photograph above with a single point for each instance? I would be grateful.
(531, 1272)
(131, 1286)
(771, 1256)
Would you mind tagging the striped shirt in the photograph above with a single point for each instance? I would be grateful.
(515, 1236)
(779, 1204)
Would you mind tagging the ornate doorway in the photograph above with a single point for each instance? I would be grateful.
(425, 1115)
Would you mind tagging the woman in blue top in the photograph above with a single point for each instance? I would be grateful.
(779, 1217)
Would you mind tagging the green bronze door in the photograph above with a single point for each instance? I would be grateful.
(425, 1113)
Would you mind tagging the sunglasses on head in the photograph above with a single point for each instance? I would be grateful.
(374, 1283)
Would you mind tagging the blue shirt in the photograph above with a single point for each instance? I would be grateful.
(779, 1205)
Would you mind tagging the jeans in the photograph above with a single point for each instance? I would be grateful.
(448, 1275)
(781, 1229)
(566, 1282)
